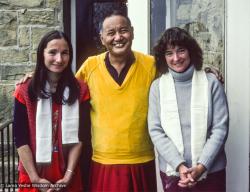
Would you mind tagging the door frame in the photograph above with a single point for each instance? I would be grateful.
(238, 93)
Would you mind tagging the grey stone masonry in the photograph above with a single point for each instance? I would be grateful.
(22, 24)
(204, 19)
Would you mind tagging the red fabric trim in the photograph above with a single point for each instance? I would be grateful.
(84, 92)
(86, 96)
(113, 178)
(24, 180)
(18, 95)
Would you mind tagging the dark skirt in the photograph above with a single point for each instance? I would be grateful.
(215, 182)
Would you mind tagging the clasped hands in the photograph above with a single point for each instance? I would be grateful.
(190, 176)
(45, 184)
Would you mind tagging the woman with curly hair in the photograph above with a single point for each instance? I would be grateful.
(188, 117)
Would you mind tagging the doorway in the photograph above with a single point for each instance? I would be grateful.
(87, 16)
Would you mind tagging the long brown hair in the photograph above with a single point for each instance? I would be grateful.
(38, 82)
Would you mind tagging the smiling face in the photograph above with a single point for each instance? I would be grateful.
(177, 58)
(56, 55)
(117, 35)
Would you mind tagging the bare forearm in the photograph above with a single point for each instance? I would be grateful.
(26, 157)
(74, 155)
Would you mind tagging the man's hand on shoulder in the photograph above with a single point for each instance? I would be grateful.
(216, 72)
(25, 78)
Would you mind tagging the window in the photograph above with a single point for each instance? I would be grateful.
(204, 19)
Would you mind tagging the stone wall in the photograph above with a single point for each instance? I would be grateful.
(22, 24)
(205, 21)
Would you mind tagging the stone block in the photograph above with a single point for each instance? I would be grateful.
(8, 37)
(205, 36)
(14, 72)
(7, 17)
(41, 17)
(183, 12)
(33, 56)
(53, 3)
(14, 56)
(215, 59)
(8, 28)
(24, 36)
(37, 34)
(15, 4)
(6, 100)
(205, 22)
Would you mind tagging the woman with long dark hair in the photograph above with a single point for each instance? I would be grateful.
(46, 120)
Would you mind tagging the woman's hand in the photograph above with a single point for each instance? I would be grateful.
(64, 182)
(191, 175)
(73, 157)
(197, 171)
(40, 183)
(26, 158)
(186, 179)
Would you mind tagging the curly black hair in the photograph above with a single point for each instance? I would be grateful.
(172, 37)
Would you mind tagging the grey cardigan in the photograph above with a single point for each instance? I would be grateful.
(213, 155)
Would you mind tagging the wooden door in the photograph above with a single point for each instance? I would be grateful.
(89, 16)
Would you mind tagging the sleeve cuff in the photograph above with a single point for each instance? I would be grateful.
(177, 163)
(206, 162)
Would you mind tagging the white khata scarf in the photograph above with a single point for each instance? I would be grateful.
(170, 116)
(70, 125)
